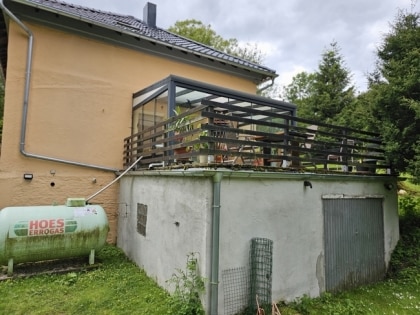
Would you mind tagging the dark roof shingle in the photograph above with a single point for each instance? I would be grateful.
(135, 26)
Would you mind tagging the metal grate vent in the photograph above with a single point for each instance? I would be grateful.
(141, 218)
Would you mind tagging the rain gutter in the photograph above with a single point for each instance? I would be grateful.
(26, 100)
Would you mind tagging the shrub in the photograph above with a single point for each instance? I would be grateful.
(189, 286)
(407, 252)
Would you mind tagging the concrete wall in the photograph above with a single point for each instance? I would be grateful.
(79, 110)
(276, 206)
(178, 223)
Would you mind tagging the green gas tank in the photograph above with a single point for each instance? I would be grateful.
(38, 233)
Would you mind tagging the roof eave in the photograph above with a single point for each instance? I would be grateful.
(259, 75)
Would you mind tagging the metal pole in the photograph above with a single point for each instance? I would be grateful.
(214, 276)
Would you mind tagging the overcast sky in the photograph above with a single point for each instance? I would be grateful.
(291, 33)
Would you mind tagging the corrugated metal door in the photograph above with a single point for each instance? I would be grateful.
(354, 242)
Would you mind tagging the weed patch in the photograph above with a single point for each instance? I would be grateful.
(189, 286)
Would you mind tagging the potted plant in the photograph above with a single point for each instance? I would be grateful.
(203, 158)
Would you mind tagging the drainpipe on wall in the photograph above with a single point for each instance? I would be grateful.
(214, 276)
(26, 100)
(259, 91)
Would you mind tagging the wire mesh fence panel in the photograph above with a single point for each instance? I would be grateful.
(261, 269)
(236, 289)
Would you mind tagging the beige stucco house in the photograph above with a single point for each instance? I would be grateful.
(70, 74)
(87, 92)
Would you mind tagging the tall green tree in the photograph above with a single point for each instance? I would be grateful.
(325, 94)
(333, 89)
(199, 32)
(394, 89)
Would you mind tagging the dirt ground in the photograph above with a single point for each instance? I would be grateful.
(47, 267)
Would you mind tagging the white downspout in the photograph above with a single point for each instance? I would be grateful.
(26, 101)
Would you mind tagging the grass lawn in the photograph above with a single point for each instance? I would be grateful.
(392, 296)
(118, 286)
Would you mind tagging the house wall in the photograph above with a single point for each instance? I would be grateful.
(79, 110)
(276, 206)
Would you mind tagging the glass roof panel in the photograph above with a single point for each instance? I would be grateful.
(144, 96)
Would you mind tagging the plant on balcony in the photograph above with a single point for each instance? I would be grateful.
(203, 158)
(180, 126)
(202, 145)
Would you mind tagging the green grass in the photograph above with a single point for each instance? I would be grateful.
(408, 185)
(118, 286)
(393, 296)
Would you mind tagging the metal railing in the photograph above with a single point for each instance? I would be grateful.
(214, 134)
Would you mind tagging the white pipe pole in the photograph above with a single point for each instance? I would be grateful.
(122, 174)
